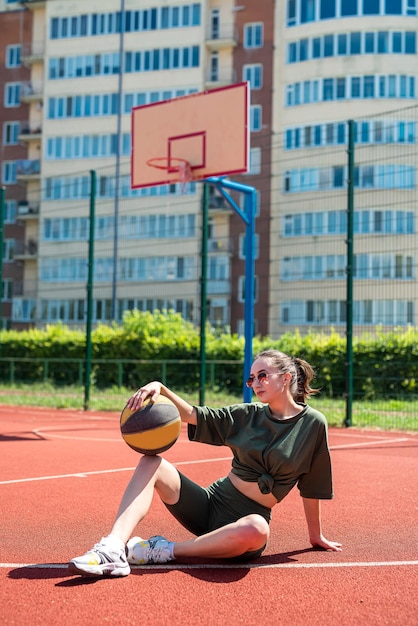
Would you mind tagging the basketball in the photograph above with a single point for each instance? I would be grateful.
(153, 428)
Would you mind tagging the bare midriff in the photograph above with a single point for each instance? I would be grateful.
(252, 490)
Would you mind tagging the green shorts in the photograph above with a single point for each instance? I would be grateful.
(202, 510)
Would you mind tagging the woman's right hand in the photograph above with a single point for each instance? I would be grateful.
(151, 390)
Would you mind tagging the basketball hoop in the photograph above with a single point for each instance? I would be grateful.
(172, 165)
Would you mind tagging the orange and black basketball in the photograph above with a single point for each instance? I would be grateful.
(153, 428)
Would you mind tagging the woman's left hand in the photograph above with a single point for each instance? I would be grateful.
(326, 544)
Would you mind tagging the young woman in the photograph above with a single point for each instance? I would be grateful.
(277, 443)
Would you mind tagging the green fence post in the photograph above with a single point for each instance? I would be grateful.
(120, 374)
(350, 257)
(90, 290)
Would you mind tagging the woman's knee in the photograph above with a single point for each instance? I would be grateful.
(256, 529)
(148, 465)
(162, 475)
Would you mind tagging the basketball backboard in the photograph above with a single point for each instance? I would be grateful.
(191, 137)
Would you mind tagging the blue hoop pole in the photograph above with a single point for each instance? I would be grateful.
(248, 216)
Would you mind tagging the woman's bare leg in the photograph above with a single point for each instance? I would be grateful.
(245, 535)
(151, 472)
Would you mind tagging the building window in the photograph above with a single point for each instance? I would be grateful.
(214, 67)
(241, 289)
(11, 133)
(254, 75)
(214, 24)
(106, 64)
(256, 118)
(355, 43)
(7, 291)
(12, 94)
(9, 171)
(253, 35)
(242, 251)
(255, 161)
(302, 11)
(8, 250)
(371, 86)
(10, 213)
(13, 56)
(135, 21)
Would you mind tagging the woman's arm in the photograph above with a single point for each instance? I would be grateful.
(153, 390)
(312, 508)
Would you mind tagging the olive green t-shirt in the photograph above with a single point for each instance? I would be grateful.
(276, 454)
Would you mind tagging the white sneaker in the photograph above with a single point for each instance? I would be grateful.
(155, 550)
(104, 559)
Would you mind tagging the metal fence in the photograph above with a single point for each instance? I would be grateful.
(393, 411)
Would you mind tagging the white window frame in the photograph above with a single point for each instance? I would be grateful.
(7, 290)
(214, 67)
(8, 250)
(10, 211)
(12, 95)
(241, 289)
(11, 133)
(215, 24)
(254, 165)
(9, 172)
(241, 246)
(253, 35)
(13, 56)
(256, 118)
(253, 74)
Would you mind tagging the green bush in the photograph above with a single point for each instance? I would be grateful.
(385, 365)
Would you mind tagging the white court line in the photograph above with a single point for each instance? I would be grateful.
(94, 473)
(378, 438)
(181, 567)
(369, 443)
(130, 469)
(39, 432)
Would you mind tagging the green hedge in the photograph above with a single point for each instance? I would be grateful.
(385, 364)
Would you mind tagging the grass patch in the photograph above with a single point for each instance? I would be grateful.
(388, 414)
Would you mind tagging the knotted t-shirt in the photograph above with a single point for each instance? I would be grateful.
(277, 454)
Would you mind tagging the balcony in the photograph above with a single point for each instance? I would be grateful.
(30, 132)
(26, 250)
(219, 77)
(33, 4)
(28, 210)
(219, 203)
(18, 288)
(30, 93)
(219, 245)
(33, 53)
(218, 287)
(29, 169)
(221, 36)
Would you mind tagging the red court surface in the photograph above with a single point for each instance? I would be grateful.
(62, 475)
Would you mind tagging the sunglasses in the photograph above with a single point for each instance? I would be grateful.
(261, 378)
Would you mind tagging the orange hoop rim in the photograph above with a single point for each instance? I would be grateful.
(162, 163)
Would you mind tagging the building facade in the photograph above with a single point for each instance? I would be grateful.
(16, 28)
(335, 61)
(312, 66)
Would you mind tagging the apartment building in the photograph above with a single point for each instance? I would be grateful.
(312, 66)
(100, 59)
(335, 61)
(16, 29)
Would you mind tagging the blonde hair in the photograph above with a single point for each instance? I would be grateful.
(302, 373)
